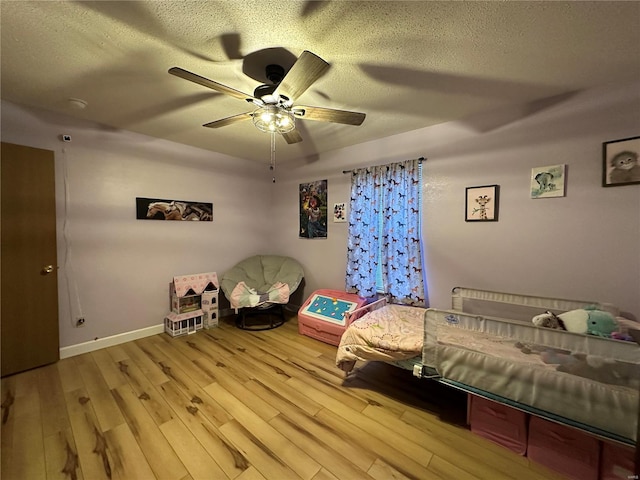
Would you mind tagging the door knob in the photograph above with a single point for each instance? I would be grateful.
(47, 269)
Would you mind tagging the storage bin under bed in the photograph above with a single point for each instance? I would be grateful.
(571, 452)
(499, 423)
(617, 462)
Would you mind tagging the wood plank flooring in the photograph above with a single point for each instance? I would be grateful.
(233, 404)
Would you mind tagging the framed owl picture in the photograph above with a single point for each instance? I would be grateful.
(621, 162)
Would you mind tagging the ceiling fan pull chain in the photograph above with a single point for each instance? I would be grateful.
(272, 166)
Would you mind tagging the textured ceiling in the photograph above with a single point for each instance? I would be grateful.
(407, 65)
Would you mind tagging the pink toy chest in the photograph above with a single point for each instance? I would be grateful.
(499, 423)
(617, 462)
(322, 314)
(566, 450)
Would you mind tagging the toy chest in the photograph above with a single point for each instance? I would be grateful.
(499, 423)
(322, 314)
(568, 451)
(617, 462)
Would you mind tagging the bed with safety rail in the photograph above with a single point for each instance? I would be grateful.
(489, 345)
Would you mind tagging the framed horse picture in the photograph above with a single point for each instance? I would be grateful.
(161, 209)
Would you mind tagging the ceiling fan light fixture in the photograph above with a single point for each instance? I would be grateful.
(273, 119)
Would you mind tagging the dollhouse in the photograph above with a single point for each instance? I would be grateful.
(193, 303)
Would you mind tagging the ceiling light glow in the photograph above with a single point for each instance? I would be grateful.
(273, 118)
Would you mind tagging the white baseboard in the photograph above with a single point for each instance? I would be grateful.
(86, 347)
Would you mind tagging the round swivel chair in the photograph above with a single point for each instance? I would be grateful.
(259, 286)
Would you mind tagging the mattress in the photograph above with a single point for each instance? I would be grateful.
(591, 380)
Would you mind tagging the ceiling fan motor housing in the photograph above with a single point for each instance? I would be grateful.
(275, 73)
(262, 90)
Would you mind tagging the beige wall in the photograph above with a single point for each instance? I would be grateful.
(115, 269)
(585, 245)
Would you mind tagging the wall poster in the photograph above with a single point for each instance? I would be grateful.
(339, 212)
(313, 209)
(160, 209)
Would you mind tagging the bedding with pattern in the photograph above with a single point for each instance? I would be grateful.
(391, 333)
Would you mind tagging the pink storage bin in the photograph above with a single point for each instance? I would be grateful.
(499, 423)
(566, 450)
(617, 462)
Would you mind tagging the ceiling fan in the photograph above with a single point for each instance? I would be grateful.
(276, 111)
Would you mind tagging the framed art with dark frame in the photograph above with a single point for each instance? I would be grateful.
(621, 162)
(163, 209)
(481, 203)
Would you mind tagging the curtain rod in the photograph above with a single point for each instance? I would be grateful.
(420, 160)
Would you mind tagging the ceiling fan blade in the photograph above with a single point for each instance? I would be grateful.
(192, 77)
(223, 122)
(231, 45)
(322, 114)
(292, 137)
(308, 68)
(312, 7)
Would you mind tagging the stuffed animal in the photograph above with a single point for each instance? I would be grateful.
(622, 336)
(548, 320)
(587, 320)
(601, 324)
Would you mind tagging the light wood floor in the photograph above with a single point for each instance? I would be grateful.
(232, 404)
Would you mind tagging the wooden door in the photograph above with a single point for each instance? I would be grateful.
(29, 280)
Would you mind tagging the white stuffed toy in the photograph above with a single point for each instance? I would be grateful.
(575, 321)
(548, 320)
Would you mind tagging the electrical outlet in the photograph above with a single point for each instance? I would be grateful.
(80, 322)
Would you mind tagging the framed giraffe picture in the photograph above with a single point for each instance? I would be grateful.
(481, 203)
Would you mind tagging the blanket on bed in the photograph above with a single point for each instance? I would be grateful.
(394, 332)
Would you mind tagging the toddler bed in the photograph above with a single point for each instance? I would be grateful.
(487, 345)
(385, 332)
